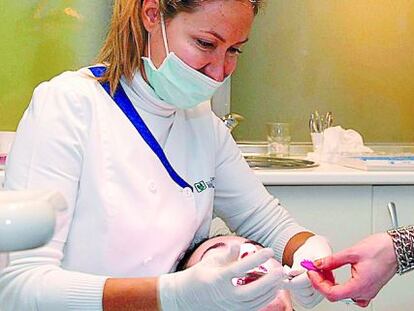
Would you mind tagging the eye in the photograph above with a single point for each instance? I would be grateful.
(205, 44)
(235, 51)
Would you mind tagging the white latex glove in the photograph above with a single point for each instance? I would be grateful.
(300, 286)
(208, 284)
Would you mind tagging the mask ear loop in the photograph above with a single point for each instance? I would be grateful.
(164, 34)
(164, 38)
(149, 45)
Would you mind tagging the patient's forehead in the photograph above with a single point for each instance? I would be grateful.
(220, 241)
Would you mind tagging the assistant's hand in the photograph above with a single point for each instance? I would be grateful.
(373, 264)
(300, 286)
(208, 284)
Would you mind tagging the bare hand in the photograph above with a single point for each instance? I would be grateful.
(373, 264)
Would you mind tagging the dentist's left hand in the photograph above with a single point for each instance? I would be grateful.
(300, 286)
(208, 284)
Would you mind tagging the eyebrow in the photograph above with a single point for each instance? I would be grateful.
(218, 36)
(217, 245)
(221, 244)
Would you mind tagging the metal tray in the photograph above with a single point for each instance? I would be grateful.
(269, 162)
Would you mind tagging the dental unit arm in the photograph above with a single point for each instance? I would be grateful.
(27, 219)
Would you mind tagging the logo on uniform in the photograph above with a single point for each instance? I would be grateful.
(203, 185)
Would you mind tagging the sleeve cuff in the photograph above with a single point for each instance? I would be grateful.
(281, 241)
(86, 293)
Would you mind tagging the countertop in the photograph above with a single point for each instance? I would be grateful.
(324, 174)
(331, 174)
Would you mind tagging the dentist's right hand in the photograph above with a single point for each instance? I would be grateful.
(208, 284)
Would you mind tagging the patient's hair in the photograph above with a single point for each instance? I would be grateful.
(182, 264)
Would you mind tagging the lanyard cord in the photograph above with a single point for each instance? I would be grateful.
(124, 103)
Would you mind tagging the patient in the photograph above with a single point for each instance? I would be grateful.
(282, 301)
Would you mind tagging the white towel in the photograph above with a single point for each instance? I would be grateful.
(336, 142)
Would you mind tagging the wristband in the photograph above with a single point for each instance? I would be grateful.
(403, 240)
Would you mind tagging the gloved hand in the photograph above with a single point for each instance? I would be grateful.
(301, 288)
(208, 284)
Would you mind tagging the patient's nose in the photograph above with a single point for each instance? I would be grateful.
(246, 249)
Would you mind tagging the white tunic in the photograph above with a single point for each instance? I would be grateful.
(126, 216)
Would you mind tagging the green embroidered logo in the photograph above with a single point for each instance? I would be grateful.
(200, 186)
(204, 184)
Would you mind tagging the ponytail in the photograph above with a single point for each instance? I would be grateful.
(124, 44)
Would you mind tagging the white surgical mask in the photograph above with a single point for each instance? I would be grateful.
(177, 83)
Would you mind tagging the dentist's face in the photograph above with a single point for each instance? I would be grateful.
(208, 39)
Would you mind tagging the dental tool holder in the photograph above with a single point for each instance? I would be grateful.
(317, 124)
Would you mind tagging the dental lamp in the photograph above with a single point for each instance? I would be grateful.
(27, 219)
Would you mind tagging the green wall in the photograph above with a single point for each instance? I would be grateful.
(40, 39)
(354, 58)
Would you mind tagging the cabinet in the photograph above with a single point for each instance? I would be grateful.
(398, 294)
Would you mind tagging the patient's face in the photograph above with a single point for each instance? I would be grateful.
(225, 242)
(282, 302)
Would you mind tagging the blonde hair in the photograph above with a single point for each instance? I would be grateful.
(125, 41)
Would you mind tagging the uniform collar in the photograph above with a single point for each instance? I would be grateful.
(143, 96)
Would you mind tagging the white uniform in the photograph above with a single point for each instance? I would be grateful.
(127, 217)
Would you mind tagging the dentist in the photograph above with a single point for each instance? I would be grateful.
(143, 163)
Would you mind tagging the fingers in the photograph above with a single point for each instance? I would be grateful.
(336, 260)
(362, 303)
(264, 300)
(261, 292)
(316, 278)
(308, 301)
(303, 292)
(250, 262)
(300, 281)
(332, 291)
(270, 281)
(325, 284)
(327, 275)
(228, 257)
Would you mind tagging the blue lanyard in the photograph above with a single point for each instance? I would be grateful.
(124, 103)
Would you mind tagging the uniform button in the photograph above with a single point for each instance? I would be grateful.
(187, 192)
(152, 186)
